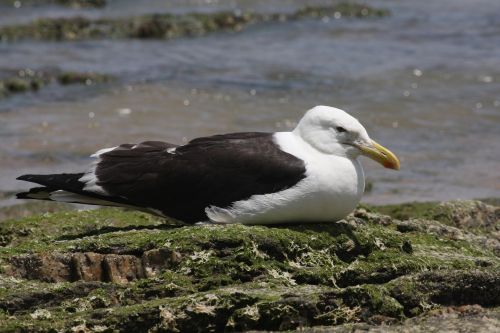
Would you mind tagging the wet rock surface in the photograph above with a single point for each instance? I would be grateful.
(67, 3)
(170, 26)
(433, 267)
(27, 80)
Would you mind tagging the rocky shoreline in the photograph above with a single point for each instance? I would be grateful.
(414, 266)
(170, 26)
(28, 80)
(66, 3)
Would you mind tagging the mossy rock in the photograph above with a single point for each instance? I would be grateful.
(109, 269)
(32, 208)
(464, 214)
(16, 84)
(67, 3)
(81, 78)
(82, 3)
(27, 80)
(169, 26)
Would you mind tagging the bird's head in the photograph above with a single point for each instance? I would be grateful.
(333, 131)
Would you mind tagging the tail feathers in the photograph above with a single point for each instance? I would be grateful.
(65, 181)
(64, 196)
(67, 187)
(51, 194)
(39, 193)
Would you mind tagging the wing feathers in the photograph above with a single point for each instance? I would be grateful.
(212, 171)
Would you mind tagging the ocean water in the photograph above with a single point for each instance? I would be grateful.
(424, 81)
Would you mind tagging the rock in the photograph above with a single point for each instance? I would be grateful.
(88, 267)
(465, 319)
(468, 215)
(67, 3)
(28, 209)
(104, 267)
(27, 80)
(81, 78)
(122, 268)
(465, 214)
(169, 26)
(16, 84)
(470, 220)
(82, 3)
(126, 271)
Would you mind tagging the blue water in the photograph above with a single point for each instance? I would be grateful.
(424, 81)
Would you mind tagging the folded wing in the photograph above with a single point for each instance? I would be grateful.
(181, 181)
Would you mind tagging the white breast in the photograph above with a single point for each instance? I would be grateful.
(332, 189)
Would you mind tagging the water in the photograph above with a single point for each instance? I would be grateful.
(425, 82)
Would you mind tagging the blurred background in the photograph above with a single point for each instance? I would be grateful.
(423, 77)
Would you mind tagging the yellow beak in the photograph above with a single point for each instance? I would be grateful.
(380, 154)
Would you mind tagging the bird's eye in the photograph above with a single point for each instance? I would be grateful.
(340, 129)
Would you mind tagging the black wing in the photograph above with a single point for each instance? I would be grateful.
(216, 170)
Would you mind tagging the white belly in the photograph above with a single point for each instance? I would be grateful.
(331, 190)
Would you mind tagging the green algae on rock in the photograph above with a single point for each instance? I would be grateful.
(448, 319)
(82, 3)
(23, 82)
(169, 26)
(113, 270)
(81, 78)
(28, 80)
(67, 3)
(460, 213)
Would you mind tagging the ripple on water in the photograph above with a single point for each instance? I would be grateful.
(424, 81)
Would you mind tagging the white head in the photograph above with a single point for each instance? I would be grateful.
(333, 131)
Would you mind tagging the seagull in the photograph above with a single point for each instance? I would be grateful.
(310, 174)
